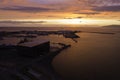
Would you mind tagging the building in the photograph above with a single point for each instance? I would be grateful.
(34, 48)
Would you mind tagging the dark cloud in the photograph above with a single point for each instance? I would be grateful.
(9, 21)
(26, 9)
(100, 2)
(107, 8)
(68, 18)
(88, 13)
(79, 17)
(74, 18)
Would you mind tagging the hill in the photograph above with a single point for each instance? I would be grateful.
(112, 26)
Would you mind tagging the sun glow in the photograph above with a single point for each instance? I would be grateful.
(70, 21)
(60, 21)
(74, 21)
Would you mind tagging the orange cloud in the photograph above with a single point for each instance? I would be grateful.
(59, 9)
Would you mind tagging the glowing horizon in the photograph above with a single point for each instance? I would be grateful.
(77, 12)
(76, 21)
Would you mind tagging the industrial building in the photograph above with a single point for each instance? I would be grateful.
(34, 48)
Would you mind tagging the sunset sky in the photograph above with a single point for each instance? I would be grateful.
(95, 12)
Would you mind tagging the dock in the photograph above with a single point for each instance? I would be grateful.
(71, 35)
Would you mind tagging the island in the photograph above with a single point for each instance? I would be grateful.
(112, 26)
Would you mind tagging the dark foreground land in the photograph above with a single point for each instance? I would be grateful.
(14, 66)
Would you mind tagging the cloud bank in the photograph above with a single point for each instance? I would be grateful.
(26, 9)
(60, 5)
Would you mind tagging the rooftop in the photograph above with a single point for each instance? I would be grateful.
(34, 43)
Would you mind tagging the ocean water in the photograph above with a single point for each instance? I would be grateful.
(93, 57)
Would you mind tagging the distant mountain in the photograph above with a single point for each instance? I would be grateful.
(112, 26)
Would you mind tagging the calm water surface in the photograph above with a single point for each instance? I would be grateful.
(94, 57)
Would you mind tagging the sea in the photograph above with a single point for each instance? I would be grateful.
(93, 56)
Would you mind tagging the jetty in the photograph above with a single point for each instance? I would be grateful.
(111, 33)
(71, 35)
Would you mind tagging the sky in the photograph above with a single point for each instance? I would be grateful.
(97, 12)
